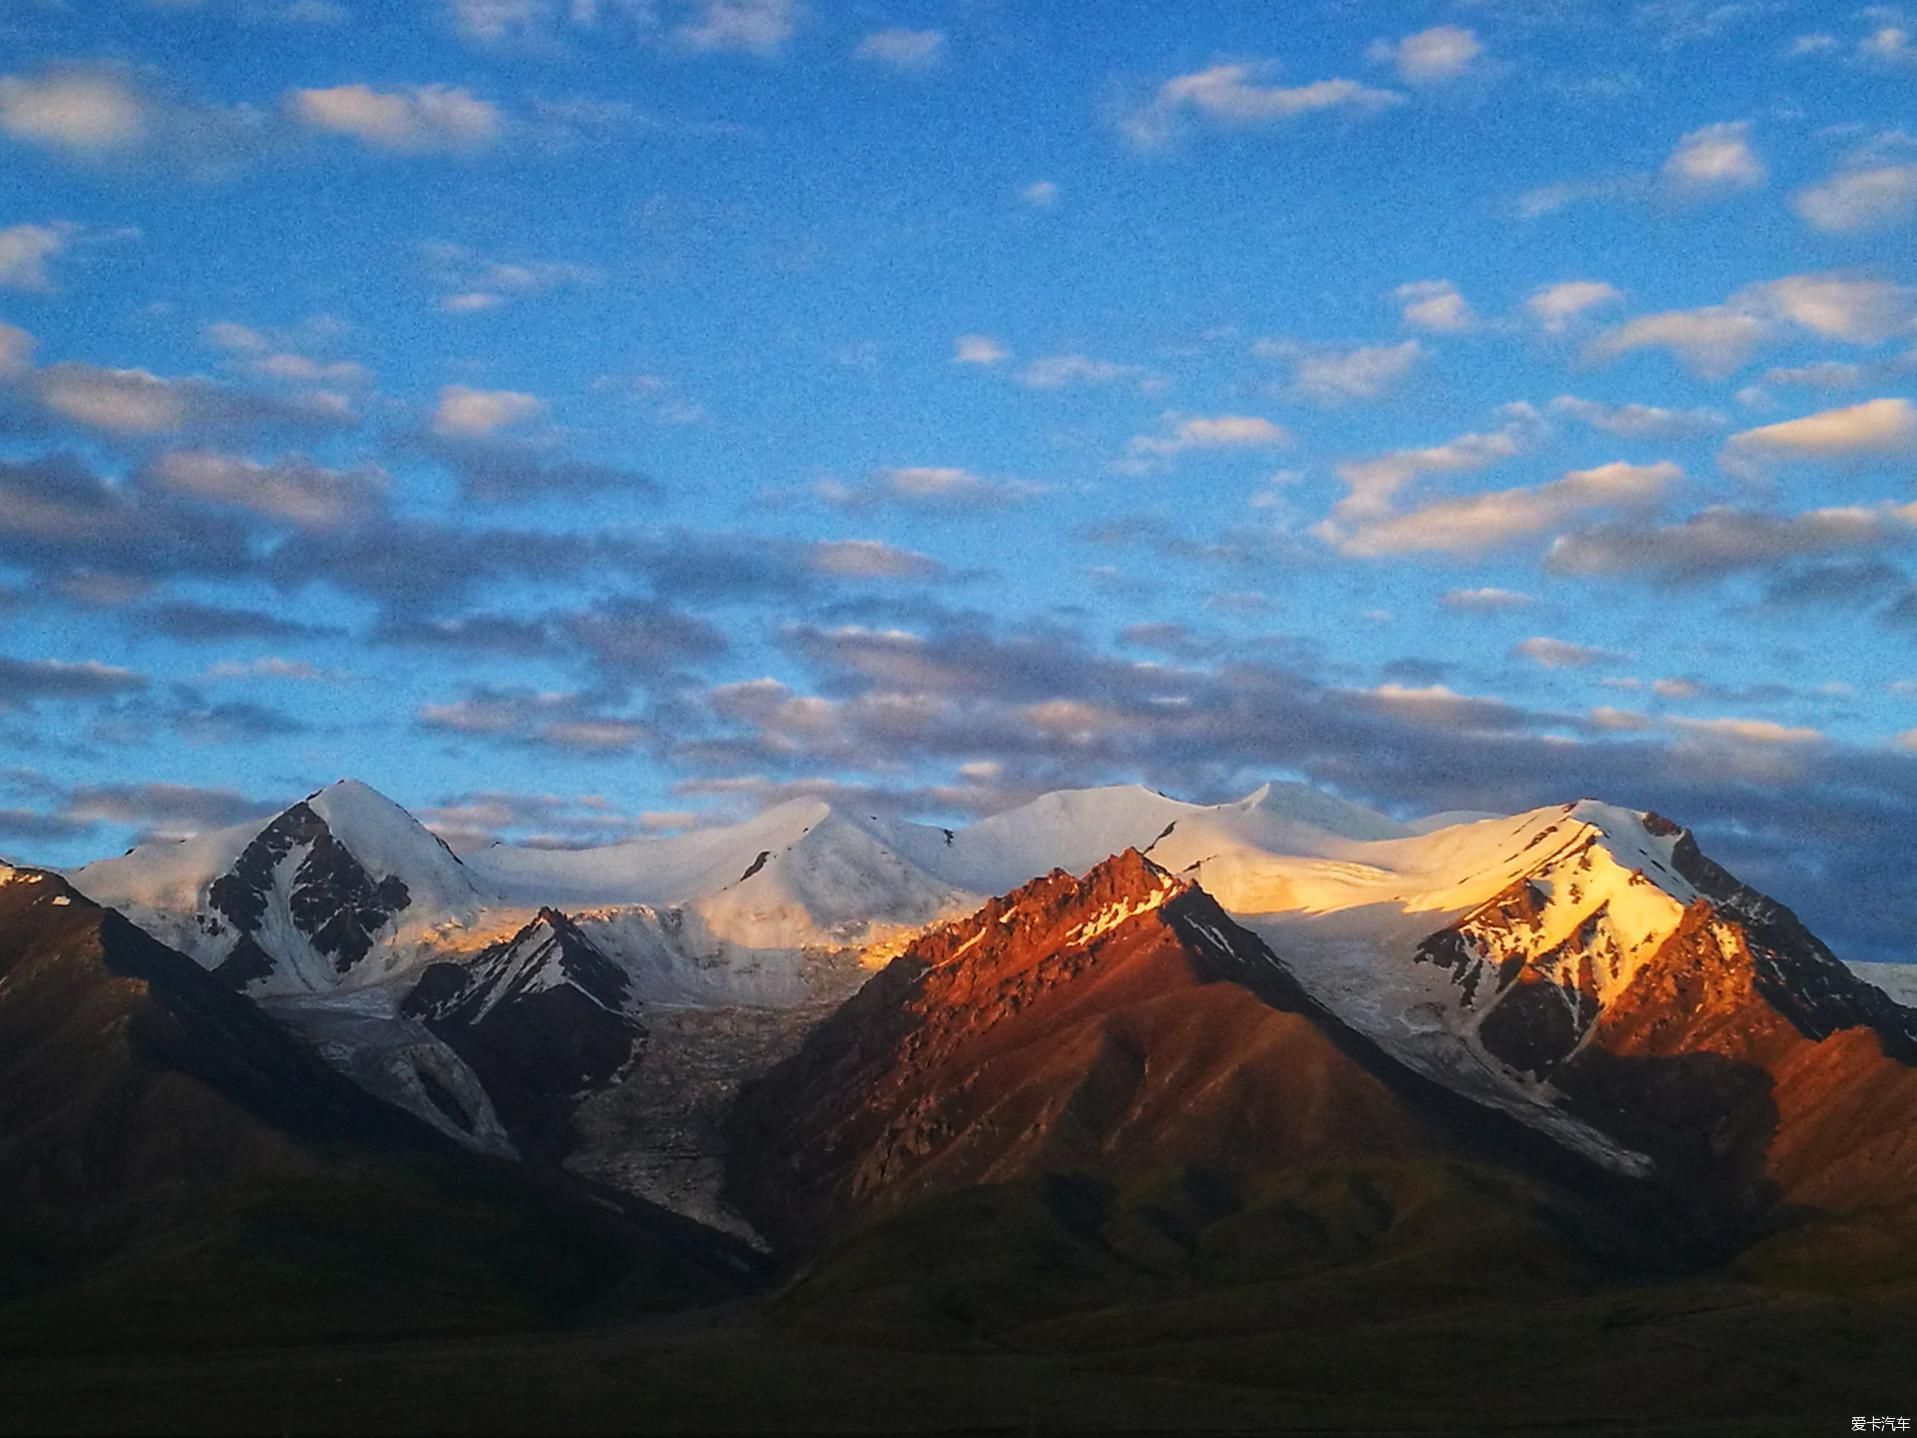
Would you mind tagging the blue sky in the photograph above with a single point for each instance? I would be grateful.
(577, 417)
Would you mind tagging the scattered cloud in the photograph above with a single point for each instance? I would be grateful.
(1069, 370)
(473, 283)
(292, 489)
(1875, 428)
(929, 487)
(134, 402)
(1549, 653)
(1860, 200)
(1237, 97)
(1040, 194)
(1725, 540)
(1542, 200)
(83, 112)
(16, 351)
(25, 251)
(1556, 307)
(979, 350)
(870, 559)
(1472, 524)
(753, 27)
(1747, 731)
(26, 681)
(1716, 340)
(1435, 306)
(1714, 160)
(1640, 421)
(1199, 432)
(898, 49)
(1430, 57)
(463, 412)
(1333, 375)
(415, 119)
(1371, 483)
(1485, 601)
(567, 722)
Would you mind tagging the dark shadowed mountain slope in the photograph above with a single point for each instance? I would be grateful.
(541, 1018)
(175, 1168)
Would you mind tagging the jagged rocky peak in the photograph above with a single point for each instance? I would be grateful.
(1059, 908)
(1621, 905)
(331, 898)
(549, 952)
(541, 1018)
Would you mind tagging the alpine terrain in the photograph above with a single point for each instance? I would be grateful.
(1107, 1053)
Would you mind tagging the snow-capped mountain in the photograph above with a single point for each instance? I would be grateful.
(1524, 963)
(345, 891)
(541, 1018)
(338, 891)
(1111, 1023)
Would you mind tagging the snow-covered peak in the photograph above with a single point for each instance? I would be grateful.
(334, 891)
(387, 840)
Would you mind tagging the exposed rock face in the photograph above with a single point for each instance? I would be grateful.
(334, 903)
(1695, 1021)
(541, 1019)
(1116, 1022)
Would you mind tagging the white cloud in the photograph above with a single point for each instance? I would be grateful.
(1535, 204)
(1715, 159)
(24, 252)
(1816, 43)
(1748, 731)
(1843, 307)
(475, 284)
(1888, 45)
(497, 20)
(1474, 523)
(1064, 371)
(756, 27)
(1331, 376)
(979, 350)
(122, 401)
(466, 413)
(1430, 57)
(1371, 483)
(1549, 653)
(16, 351)
(1485, 601)
(1234, 97)
(1640, 421)
(1434, 305)
(1819, 374)
(899, 49)
(293, 489)
(1723, 540)
(413, 119)
(1229, 431)
(1556, 307)
(929, 486)
(1876, 427)
(1860, 200)
(1714, 340)
(869, 559)
(1040, 194)
(86, 112)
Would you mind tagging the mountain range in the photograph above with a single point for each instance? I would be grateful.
(1146, 1041)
